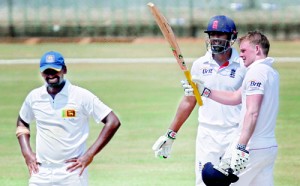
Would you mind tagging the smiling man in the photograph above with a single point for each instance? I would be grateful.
(253, 151)
(61, 111)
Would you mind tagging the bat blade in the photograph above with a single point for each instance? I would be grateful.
(169, 35)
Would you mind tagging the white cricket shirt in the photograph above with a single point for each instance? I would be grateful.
(261, 78)
(62, 123)
(230, 78)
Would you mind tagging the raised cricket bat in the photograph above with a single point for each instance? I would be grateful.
(170, 37)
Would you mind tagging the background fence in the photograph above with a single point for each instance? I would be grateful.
(131, 18)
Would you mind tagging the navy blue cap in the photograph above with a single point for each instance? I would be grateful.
(52, 60)
(222, 23)
(213, 177)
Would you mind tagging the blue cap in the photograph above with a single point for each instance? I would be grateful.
(52, 60)
(213, 177)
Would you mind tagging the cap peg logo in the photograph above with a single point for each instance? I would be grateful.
(50, 58)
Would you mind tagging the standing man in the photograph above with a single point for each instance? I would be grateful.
(259, 96)
(61, 111)
(222, 69)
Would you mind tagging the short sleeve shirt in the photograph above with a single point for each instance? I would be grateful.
(62, 123)
(262, 79)
(228, 77)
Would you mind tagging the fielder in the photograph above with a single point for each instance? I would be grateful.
(61, 111)
(222, 69)
(256, 143)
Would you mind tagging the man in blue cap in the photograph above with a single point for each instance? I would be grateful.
(53, 64)
(61, 111)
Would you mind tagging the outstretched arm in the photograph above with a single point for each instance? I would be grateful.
(226, 97)
(223, 97)
(111, 126)
(23, 135)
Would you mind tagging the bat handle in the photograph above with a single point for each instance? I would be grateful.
(195, 88)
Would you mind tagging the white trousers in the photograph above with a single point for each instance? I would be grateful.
(56, 175)
(211, 144)
(260, 169)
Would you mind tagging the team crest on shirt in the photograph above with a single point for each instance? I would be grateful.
(68, 113)
(254, 85)
(232, 73)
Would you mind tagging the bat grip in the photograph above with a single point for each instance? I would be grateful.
(194, 86)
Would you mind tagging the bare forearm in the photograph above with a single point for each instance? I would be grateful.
(226, 97)
(23, 135)
(248, 127)
(184, 110)
(24, 141)
(110, 128)
(253, 104)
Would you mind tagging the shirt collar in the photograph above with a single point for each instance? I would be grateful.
(268, 61)
(234, 58)
(64, 91)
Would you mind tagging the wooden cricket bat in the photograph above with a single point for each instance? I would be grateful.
(170, 37)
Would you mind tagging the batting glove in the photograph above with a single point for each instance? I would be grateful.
(189, 91)
(204, 91)
(239, 159)
(187, 88)
(162, 147)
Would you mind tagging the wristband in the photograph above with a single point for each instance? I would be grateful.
(206, 92)
(171, 134)
(242, 147)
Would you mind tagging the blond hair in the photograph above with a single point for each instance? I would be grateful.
(257, 38)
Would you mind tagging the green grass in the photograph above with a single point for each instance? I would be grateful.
(145, 97)
(128, 50)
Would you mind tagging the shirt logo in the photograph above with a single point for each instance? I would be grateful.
(68, 113)
(254, 85)
(232, 73)
(207, 71)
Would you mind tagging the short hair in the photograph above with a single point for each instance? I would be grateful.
(257, 38)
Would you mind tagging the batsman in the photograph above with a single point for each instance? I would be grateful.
(220, 68)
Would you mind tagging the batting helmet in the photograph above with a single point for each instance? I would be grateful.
(221, 23)
(213, 177)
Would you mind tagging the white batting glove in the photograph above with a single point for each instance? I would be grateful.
(204, 91)
(187, 88)
(239, 159)
(162, 147)
(189, 91)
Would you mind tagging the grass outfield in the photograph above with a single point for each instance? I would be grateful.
(145, 97)
(138, 49)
